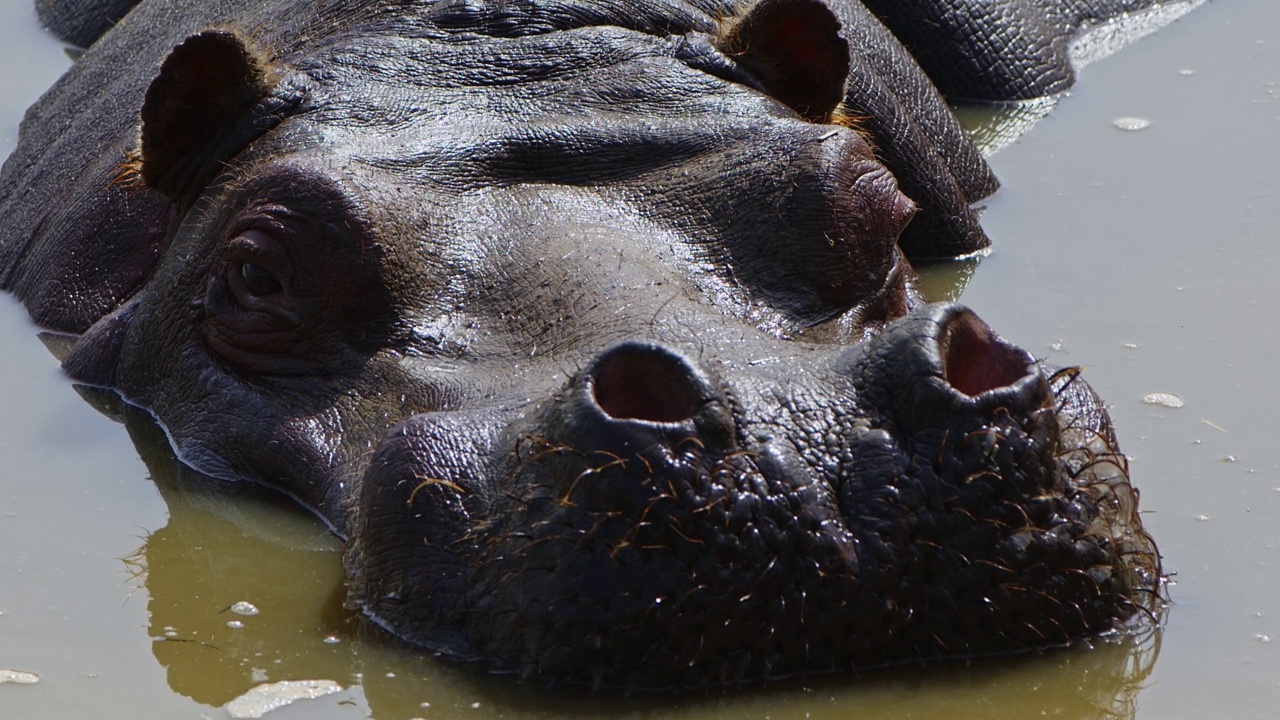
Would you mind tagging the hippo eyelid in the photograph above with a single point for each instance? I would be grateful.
(259, 281)
(257, 275)
(264, 250)
(273, 303)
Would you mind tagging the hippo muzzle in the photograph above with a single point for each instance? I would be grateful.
(672, 520)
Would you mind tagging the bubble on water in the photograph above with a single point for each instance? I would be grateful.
(1263, 638)
(264, 698)
(1162, 398)
(18, 677)
(1203, 518)
(235, 624)
(1187, 71)
(332, 640)
(1131, 124)
(1229, 458)
(244, 608)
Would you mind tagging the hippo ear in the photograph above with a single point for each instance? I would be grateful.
(795, 49)
(193, 116)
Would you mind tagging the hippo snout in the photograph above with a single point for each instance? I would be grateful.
(675, 517)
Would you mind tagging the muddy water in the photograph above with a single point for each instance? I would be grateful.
(1147, 256)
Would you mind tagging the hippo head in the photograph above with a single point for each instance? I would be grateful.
(598, 348)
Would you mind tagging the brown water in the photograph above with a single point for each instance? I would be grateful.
(1147, 256)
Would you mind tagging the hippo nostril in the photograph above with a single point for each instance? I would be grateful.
(644, 382)
(975, 360)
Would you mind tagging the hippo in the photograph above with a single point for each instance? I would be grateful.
(590, 326)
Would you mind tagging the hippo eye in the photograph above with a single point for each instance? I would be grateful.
(258, 281)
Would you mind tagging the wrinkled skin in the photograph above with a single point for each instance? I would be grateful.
(589, 325)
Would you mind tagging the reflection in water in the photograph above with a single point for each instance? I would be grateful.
(995, 127)
(945, 281)
(226, 544)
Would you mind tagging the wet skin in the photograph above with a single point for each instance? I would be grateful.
(591, 334)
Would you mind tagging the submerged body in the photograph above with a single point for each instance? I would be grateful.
(590, 326)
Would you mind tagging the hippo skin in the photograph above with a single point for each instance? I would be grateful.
(590, 325)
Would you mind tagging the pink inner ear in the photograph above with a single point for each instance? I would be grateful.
(637, 383)
(195, 112)
(975, 360)
(795, 50)
(795, 40)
